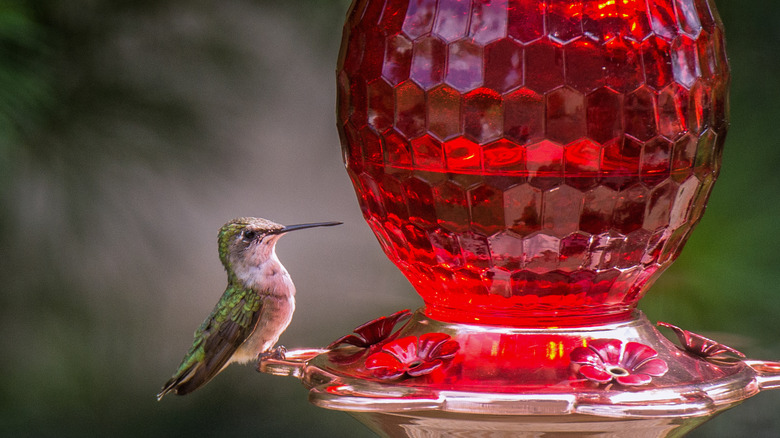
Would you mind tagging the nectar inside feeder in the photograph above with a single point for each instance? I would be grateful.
(531, 167)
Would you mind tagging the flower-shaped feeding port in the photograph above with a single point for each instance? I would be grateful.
(367, 337)
(374, 332)
(701, 346)
(629, 364)
(412, 356)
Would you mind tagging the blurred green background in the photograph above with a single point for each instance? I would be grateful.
(131, 130)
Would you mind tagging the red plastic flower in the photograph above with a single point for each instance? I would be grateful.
(373, 332)
(630, 364)
(412, 356)
(699, 345)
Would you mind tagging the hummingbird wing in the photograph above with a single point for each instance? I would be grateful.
(226, 328)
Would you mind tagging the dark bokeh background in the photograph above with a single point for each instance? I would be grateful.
(131, 130)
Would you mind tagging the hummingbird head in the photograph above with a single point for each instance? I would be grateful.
(248, 242)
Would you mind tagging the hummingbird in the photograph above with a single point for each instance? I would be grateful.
(256, 307)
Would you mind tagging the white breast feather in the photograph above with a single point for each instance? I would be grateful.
(272, 280)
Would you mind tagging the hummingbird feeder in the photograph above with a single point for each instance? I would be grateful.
(531, 166)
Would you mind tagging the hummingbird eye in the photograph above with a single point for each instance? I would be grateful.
(249, 235)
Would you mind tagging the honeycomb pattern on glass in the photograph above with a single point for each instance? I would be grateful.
(528, 160)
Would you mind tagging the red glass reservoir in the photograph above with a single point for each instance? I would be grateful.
(532, 162)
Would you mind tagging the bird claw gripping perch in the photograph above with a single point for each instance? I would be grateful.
(277, 353)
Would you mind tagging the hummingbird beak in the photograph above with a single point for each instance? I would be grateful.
(303, 226)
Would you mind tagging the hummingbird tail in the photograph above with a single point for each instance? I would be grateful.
(170, 386)
(216, 341)
(166, 389)
(192, 377)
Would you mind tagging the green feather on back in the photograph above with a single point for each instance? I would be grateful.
(217, 338)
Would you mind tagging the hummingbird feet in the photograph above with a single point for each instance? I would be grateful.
(277, 353)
